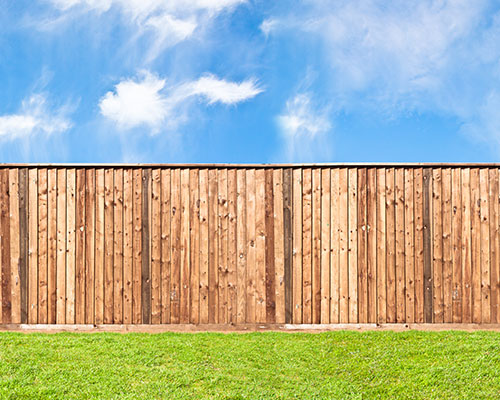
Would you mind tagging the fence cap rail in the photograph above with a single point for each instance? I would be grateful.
(256, 165)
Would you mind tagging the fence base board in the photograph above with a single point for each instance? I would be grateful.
(190, 328)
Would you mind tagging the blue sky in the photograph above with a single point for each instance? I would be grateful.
(249, 81)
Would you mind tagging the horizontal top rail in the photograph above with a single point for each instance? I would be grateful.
(261, 165)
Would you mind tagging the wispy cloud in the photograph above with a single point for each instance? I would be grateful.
(403, 57)
(35, 117)
(147, 100)
(170, 21)
(304, 127)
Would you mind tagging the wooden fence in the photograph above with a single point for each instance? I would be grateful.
(249, 244)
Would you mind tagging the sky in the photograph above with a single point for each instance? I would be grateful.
(249, 81)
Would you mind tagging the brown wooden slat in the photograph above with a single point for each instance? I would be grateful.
(42, 245)
(185, 269)
(241, 246)
(165, 245)
(371, 237)
(475, 211)
(128, 221)
(343, 246)
(80, 247)
(466, 242)
(251, 250)
(362, 246)
(156, 246)
(137, 248)
(99, 246)
(61, 247)
(70, 244)
(222, 220)
(316, 246)
(52, 246)
(456, 232)
(447, 248)
(279, 246)
(400, 246)
(409, 246)
(146, 247)
(288, 242)
(213, 233)
(90, 245)
(23, 242)
(15, 287)
(118, 246)
(325, 246)
(5, 247)
(381, 247)
(391, 244)
(334, 246)
(419, 244)
(108, 246)
(260, 246)
(270, 267)
(297, 246)
(485, 247)
(194, 254)
(204, 250)
(427, 253)
(353, 245)
(33, 245)
(437, 245)
(494, 198)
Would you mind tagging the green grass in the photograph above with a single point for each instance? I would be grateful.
(335, 365)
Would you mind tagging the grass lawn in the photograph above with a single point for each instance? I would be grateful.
(334, 365)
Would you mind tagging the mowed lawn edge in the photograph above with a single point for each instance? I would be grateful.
(262, 365)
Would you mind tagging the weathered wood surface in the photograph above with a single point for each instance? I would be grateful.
(318, 244)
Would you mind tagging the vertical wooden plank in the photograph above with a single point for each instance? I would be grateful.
(391, 244)
(213, 234)
(70, 244)
(307, 246)
(343, 245)
(23, 242)
(428, 277)
(204, 249)
(362, 246)
(279, 245)
(15, 289)
(476, 245)
(419, 244)
(334, 246)
(353, 245)
(297, 246)
(90, 245)
(270, 266)
(118, 246)
(400, 246)
(288, 242)
(316, 246)
(485, 247)
(251, 250)
(493, 202)
(52, 245)
(466, 247)
(156, 229)
(437, 245)
(146, 247)
(222, 240)
(99, 246)
(108, 246)
(33, 246)
(42, 246)
(381, 247)
(80, 247)
(232, 279)
(194, 215)
(456, 226)
(242, 246)
(325, 245)
(409, 245)
(128, 221)
(371, 237)
(185, 248)
(260, 245)
(165, 245)
(447, 247)
(61, 247)
(137, 248)
(5, 246)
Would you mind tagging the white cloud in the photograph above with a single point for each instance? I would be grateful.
(304, 127)
(148, 101)
(34, 117)
(219, 90)
(170, 21)
(268, 25)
